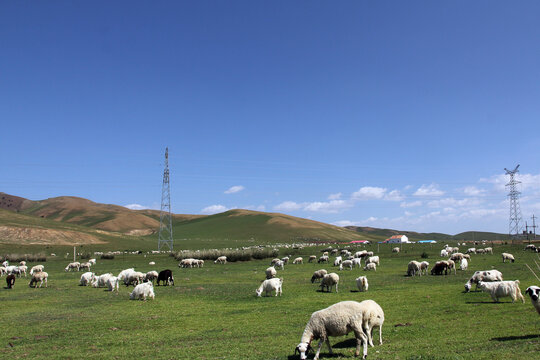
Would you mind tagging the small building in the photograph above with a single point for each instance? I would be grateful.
(365, 242)
(397, 239)
(427, 242)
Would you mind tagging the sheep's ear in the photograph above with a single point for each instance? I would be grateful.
(296, 350)
(309, 348)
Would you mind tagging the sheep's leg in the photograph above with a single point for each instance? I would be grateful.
(329, 346)
(361, 338)
(318, 350)
(336, 288)
(380, 335)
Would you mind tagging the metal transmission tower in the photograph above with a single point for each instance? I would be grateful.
(515, 212)
(165, 222)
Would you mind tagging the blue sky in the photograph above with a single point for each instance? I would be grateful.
(389, 114)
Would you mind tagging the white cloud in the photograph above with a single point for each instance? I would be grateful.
(288, 206)
(451, 202)
(214, 209)
(429, 190)
(234, 189)
(335, 196)
(344, 223)
(136, 207)
(411, 204)
(473, 191)
(369, 193)
(394, 195)
(327, 207)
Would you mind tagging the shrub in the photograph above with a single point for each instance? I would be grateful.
(86, 255)
(26, 257)
(424, 255)
(107, 256)
(231, 254)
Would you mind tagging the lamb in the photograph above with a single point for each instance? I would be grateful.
(395, 250)
(22, 263)
(534, 293)
(338, 260)
(199, 263)
(444, 253)
(328, 281)
(452, 265)
(151, 276)
(36, 268)
(424, 267)
(338, 320)
(357, 262)
(134, 278)
(318, 275)
(101, 280)
(73, 265)
(498, 289)
(92, 261)
(10, 281)
(285, 260)
(323, 258)
(166, 277)
(87, 278)
(370, 266)
(270, 272)
(221, 260)
(112, 283)
(274, 261)
(362, 283)
(298, 260)
(373, 259)
(280, 264)
(22, 269)
(86, 265)
(270, 285)
(346, 263)
(413, 268)
(488, 275)
(507, 256)
(312, 258)
(39, 276)
(143, 291)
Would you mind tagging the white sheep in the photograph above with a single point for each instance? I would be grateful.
(151, 263)
(395, 250)
(22, 263)
(270, 272)
(36, 268)
(92, 261)
(5, 263)
(312, 258)
(39, 277)
(73, 265)
(360, 254)
(424, 265)
(507, 256)
(534, 294)
(112, 283)
(318, 275)
(22, 269)
(143, 291)
(362, 283)
(444, 253)
(346, 263)
(298, 260)
(270, 285)
(413, 268)
(221, 260)
(338, 260)
(487, 275)
(357, 262)
(498, 289)
(87, 278)
(124, 273)
(339, 320)
(489, 250)
(471, 251)
(464, 265)
(134, 278)
(370, 266)
(101, 280)
(3, 270)
(285, 260)
(86, 265)
(323, 258)
(373, 259)
(280, 264)
(151, 276)
(330, 280)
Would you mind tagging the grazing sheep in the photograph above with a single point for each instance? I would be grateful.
(323, 258)
(471, 251)
(112, 283)
(5, 263)
(357, 262)
(489, 250)
(360, 254)
(10, 281)
(338, 261)
(87, 278)
(101, 280)
(280, 264)
(270, 285)
(124, 274)
(73, 265)
(318, 275)
(373, 259)
(22, 263)
(395, 250)
(312, 258)
(413, 268)
(452, 265)
(298, 260)
(22, 269)
(39, 276)
(370, 266)
(444, 253)
(346, 263)
(464, 265)
(485, 276)
(439, 267)
(274, 261)
(199, 263)
(143, 291)
(285, 260)
(424, 267)
(221, 260)
(480, 251)
(534, 293)
(2, 270)
(507, 256)
(92, 261)
(166, 277)
(36, 268)
(362, 283)
(151, 276)
(270, 272)
(339, 320)
(86, 266)
(498, 289)
(530, 247)
(134, 278)
(328, 281)
(457, 257)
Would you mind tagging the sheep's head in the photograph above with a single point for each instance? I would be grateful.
(534, 292)
(259, 292)
(468, 286)
(303, 349)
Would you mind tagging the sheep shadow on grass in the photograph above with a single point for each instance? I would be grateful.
(511, 338)
(323, 355)
(488, 302)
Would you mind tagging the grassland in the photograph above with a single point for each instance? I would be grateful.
(213, 313)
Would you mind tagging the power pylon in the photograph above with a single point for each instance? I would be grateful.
(515, 227)
(165, 222)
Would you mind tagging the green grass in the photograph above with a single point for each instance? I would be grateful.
(213, 312)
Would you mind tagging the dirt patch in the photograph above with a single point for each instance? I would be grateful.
(39, 236)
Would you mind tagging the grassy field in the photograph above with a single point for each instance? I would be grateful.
(213, 312)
